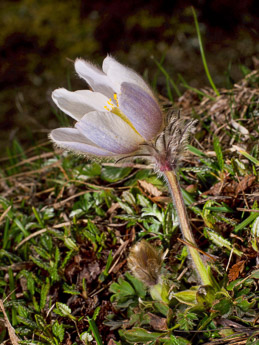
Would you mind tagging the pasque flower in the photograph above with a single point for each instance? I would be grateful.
(120, 117)
(114, 118)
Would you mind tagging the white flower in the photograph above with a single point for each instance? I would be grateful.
(114, 119)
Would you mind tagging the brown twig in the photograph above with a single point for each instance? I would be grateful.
(13, 337)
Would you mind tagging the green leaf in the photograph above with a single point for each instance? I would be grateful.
(205, 296)
(153, 211)
(243, 303)
(21, 227)
(105, 272)
(23, 311)
(46, 241)
(39, 263)
(162, 308)
(27, 322)
(70, 244)
(224, 307)
(10, 256)
(95, 331)
(139, 335)
(113, 174)
(140, 175)
(187, 297)
(42, 252)
(63, 310)
(159, 292)
(186, 320)
(124, 294)
(238, 167)
(126, 207)
(175, 341)
(96, 313)
(90, 170)
(187, 197)
(232, 285)
(41, 322)
(38, 217)
(255, 274)
(221, 242)
(129, 197)
(224, 209)
(217, 149)
(70, 289)
(58, 330)
(44, 293)
(246, 222)
(247, 155)
(195, 151)
(138, 285)
(67, 258)
(123, 288)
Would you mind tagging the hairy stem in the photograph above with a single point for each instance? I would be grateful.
(176, 193)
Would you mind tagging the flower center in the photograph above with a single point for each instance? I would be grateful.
(116, 110)
(111, 104)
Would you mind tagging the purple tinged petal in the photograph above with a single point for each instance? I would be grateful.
(71, 139)
(109, 132)
(141, 109)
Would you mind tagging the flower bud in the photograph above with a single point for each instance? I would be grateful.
(145, 262)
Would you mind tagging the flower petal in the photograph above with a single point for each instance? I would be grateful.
(97, 80)
(141, 109)
(77, 104)
(109, 132)
(71, 139)
(119, 74)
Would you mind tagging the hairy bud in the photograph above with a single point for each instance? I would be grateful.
(145, 262)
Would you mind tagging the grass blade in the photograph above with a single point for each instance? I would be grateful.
(199, 92)
(168, 78)
(219, 154)
(246, 222)
(203, 54)
(246, 154)
(95, 331)
(195, 151)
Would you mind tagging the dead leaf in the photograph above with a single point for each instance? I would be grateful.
(158, 323)
(235, 270)
(239, 127)
(113, 207)
(149, 188)
(245, 183)
(214, 190)
(192, 188)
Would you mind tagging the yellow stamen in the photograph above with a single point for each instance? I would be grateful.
(110, 102)
(116, 99)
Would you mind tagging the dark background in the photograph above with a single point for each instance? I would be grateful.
(40, 39)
